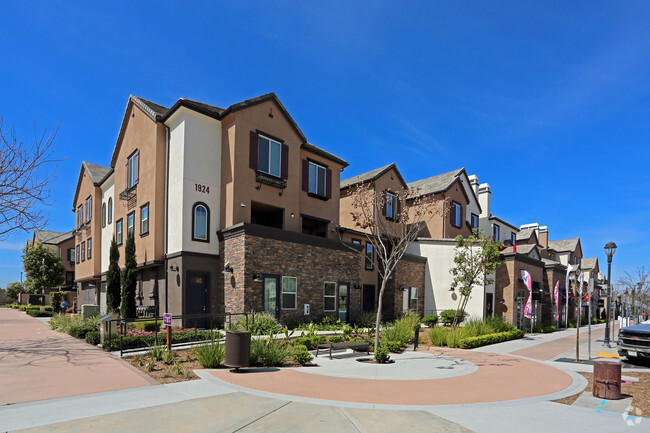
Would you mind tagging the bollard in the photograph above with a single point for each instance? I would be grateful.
(417, 337)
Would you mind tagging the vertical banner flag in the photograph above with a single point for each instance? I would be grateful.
(580, 280)
(556, 294)
(568, 271)
(528, 310)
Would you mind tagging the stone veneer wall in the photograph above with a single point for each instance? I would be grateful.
(551, 275)
(507, 283)
(408, 272)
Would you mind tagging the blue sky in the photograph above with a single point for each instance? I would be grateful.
(547, 102)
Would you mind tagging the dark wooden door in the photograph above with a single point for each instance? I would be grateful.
(197, 299)
(368, 298)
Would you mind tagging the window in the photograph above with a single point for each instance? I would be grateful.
(329, 302)
(71, 255)
(77, 255)
(144, 219)
(89, 209)
(200, 223)
(69, 278)
(413, 304)
(130, 224)
(474, 223)
(496, 232)
(269, 156)
(110, 210)
(317, 179)
(90, 248)
(79, 216)
(513, 238)
(289, 293)
(456, 214)
(118, 231)
(83, 251)
(576, 260)
(132, 169)
(103, 215)
(356, 241)
(392, 206)
(370, 256)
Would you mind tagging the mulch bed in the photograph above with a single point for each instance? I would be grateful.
(639, 391)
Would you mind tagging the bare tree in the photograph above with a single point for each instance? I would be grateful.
(26, 173)
(390, 237)
(637, 285)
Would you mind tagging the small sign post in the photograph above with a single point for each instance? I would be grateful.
(167, 321)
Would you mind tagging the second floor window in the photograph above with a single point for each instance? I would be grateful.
(456, 214)
(370, 256)
(132, 169)
(110, 210)
(496, 232)
(79, 216)
(90, 248)
(392, 206)
(269, 156)
(103, 214)
(144, 219)
(71, 255)
(83, 251)
(513, 238)
(118, 231)
(200, 222)
(130, 224)
(78, 255)
(89, 209)
(317, 180)
(474, 223)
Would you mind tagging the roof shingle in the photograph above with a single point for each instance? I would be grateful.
(435, 184)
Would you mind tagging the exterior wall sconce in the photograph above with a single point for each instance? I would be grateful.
(293, 215)
(173, 268)
(452, 289)
(257, 278)
(357, 286)
(227, 269)
(502, 301)
(404, 289)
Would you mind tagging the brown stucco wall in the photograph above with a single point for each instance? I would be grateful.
(89, 268)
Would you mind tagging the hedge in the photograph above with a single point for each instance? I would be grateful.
(484, 340)
(150, 340)
(39, 313)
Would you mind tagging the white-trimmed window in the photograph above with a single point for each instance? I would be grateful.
(289, 293)
(474, 223)
(269, 156)
(118, 231)
(144, 219)
(392, 205)
(90, 248)
(329, 301)
(132, 169)
(317, 179)
(130, 224)
(110, 210)
(83, 251)
(200, 222)
(496, 232)
(89, 209)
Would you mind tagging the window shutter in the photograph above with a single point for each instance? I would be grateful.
(461, 219)
(383, 204)
(253, 150)
(328, 183)
(284, 164)
(452, 214)
(126, 174)
(137, 166)
(305, 175)
(90, 208)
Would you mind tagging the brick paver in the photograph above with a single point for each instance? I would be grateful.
(37, 363)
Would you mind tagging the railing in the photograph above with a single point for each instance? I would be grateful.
(197, 322)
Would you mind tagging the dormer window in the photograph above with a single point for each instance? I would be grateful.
(132, 169)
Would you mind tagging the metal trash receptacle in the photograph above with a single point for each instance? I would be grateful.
(607, 380)
(238, 349)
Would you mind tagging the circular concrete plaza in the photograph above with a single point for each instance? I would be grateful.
(430, 376)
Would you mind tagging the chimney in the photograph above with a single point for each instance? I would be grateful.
(473, 182)
(484, 199)
(543, 237)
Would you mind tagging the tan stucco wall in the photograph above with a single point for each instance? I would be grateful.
(88, 268)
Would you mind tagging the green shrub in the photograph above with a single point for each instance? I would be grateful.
(336, 339)
(455, 336)
(258, 324)
(367, 320)
(76, 326)
(392, 346)
(39, 313)
(430, 320)
(34, 307)
(381, 355)
(309, 342)
(48, 308)
(149, 326)
(269, 351)
(93, 338)
(438, 336)
(210, 355)
(447, 317)
(168, 357)
(155, 352)
(23, 308)
(483, 340)
(402, 330)
(147, 340)
(300, 354)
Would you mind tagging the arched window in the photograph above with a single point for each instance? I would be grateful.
(110, 210)
(103, 214)
(200, 222)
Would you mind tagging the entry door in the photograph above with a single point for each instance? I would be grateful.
(489, 304)
(368, 298)
(344, 302)
(197, 299)
(271, 295)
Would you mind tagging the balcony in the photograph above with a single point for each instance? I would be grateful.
(267, 179)
(129, 193)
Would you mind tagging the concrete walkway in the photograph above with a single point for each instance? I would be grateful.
(38, 363)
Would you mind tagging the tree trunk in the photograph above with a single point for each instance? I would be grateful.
(378, 320)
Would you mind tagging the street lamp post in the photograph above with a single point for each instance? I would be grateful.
(610, 249)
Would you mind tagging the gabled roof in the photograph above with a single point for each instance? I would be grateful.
(588, 263)
(524, 235)
(522, 249)
(436, 184)
(325, 154)
(371, 176)
(50, 237)
(496, 218)
(97, 173)
(564, 245)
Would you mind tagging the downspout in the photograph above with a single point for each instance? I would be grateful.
(165, 236)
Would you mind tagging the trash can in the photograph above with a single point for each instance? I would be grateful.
(238, 349)
(607, 380)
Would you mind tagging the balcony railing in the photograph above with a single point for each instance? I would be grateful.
(129, 193)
